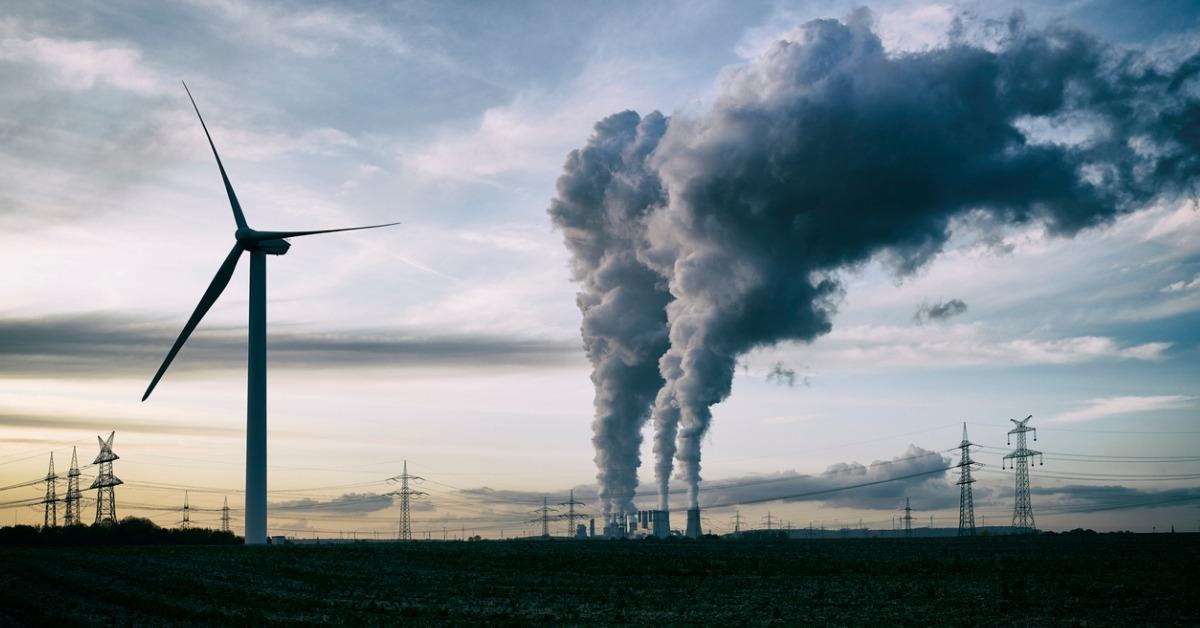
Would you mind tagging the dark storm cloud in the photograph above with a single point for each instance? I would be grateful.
(939, 311)
(347, 503)
(826, 152)
(604, 196)
(16, 419)
(106, 346)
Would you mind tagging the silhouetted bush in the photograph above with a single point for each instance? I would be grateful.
(129, 531)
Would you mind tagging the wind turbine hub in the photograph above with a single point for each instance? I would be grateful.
(268, 242)
(270, 247)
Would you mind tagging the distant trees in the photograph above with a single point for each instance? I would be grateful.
(129, 531)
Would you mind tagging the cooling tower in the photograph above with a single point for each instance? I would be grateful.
(693, 524)
(662, 523)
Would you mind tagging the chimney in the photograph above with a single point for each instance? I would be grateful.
(593, 527)
(693, 523)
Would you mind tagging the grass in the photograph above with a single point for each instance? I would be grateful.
(1046, 580)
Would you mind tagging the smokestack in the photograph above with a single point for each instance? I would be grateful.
(593, 522)
(693, 525)
(662, 523)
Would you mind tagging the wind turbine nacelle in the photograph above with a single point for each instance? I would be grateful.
(272, 247)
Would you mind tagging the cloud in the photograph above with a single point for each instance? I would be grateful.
(918, 473)
(1081, 498)
(79, 64)
(500, 497)
(346, 503)
(103, 345)
(1183, 284)
(42, 421)
(307, 32)
(884, 346)
(1111, 406)
(939, 311)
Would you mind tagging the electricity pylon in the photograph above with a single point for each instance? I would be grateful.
(571, 515)
(1022, 518)
(74, 498)
(225, 516)
(966, 502)
(907, 518)
(544, 517)
(769, 519)
(106, 500)
(187, 513)
(737, 522)
(50, 518)
(406, 494)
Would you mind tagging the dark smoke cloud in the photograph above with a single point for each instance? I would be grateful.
(939, 311)
(781, 375)
(826, 153)
(604, 196)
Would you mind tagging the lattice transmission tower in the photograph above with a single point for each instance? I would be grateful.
(225, 516)
(187, 513)
(966, 501)
(407, 494)
(907, 518)
(106, 499)
(544, 516)
(50, 518)
(74, 499)
(571, 515)
(1022, 518)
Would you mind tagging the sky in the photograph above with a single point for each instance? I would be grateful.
(453, 340)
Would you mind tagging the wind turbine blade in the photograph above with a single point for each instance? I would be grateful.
(233, 202)
(275, 235)
(224, 273)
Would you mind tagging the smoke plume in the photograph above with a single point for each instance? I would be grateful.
(603, 199)
(826, 153)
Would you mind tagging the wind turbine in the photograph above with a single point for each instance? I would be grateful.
(259, 244)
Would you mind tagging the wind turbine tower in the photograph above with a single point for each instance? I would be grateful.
(72, 515)
(406, 493)
(259, 244)
(106, 499)
(50, 518)
(1022, 518)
